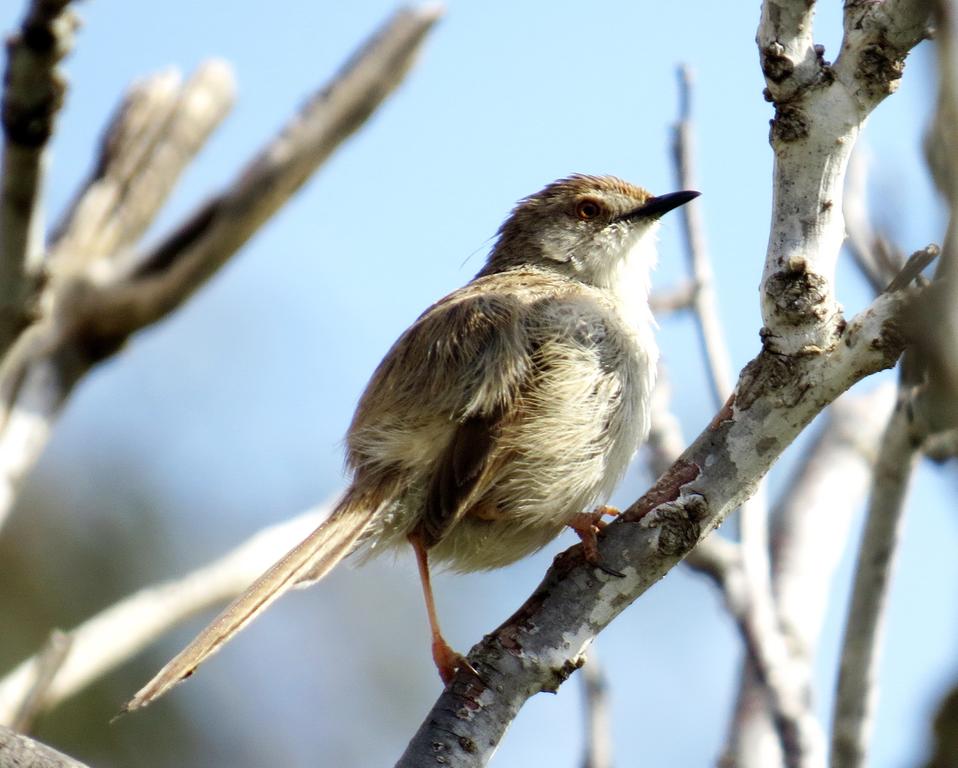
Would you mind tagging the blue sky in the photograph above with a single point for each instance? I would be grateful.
(231, 412)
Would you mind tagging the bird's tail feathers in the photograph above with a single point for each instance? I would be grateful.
(308, 561)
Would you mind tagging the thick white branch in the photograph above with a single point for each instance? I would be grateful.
(111, 637)
(545, 639)
(819, 112)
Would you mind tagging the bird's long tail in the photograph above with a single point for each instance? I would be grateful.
(309, 560)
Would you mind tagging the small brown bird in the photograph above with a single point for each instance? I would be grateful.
(505, 413)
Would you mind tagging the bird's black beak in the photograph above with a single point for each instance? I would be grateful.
(655, 207)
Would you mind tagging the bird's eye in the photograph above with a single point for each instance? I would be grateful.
(587, 209)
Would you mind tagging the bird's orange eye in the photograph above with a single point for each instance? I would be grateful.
(587, 209)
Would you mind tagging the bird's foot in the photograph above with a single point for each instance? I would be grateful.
(448, 661)
(587, 525)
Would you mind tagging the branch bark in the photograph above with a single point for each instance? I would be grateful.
(857, 686)
(33, 93)
(819, 111)
(824, 493)
(18, 751)
(158, 129)
(90, 312)
(544, 641)
(108, 639)
(708, 323)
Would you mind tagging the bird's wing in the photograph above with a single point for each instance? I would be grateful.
(438, 399)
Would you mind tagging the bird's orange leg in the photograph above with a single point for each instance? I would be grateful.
(446, 659)
(587, 525)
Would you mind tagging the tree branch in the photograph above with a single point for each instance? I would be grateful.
(48, 663)
(157, 130)
(90, 315)
(598, 718)
(936, 324)
(108, 639)
(822, 495)
(33, 93)
(167, 275)
(714, 348)
(819, 111)
(543, 642)
(857, 687)
(18, 751)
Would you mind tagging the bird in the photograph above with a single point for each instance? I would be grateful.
(507, 412)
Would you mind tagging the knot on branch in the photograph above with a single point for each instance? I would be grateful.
(30, 123)
(776, 66)
(799, 296)
(770, 373)
(561, 674)
(880, 67)
(677, 523)
(32, 100)
(789, 124)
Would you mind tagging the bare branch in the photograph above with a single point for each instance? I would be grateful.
(157, 131)
(167, 275)
(823, 494)
(819, 111)
(788, 57)
(936, 331)
(543, 642)
(827, 488)
(715, 557)
(89, 317)
(747, 590)
(857, 686)
(49, 660)
(673, 300)
(704, 301)
(18, 751)
(32, 96)
(945, 732)
(598, 718)
(108, 639)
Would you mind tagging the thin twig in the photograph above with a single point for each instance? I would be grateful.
(709, 325)
(857, 686)
(672, 300)
(598, 717)
(109, 638)
(49, 660)
(32, 95)
(823, 494)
